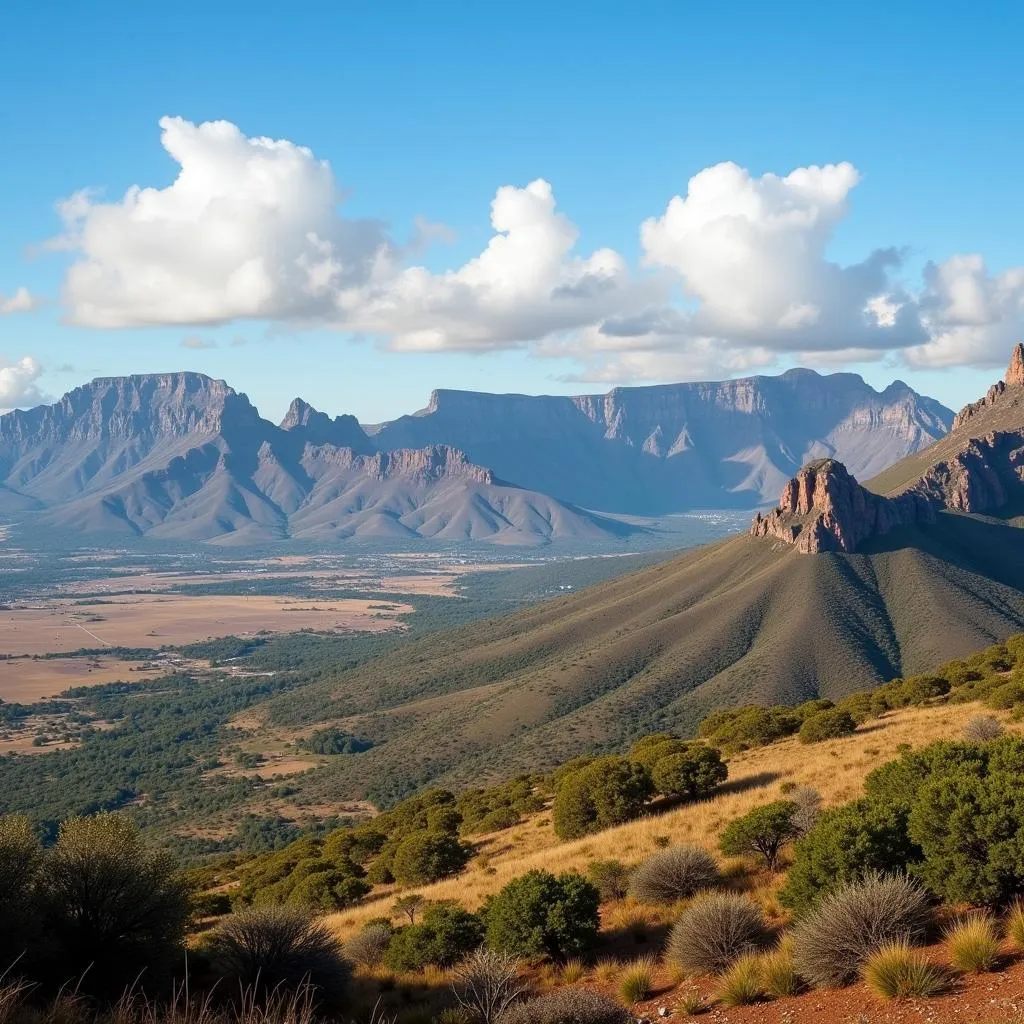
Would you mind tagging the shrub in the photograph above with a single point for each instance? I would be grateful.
(328, 890)
(425, 856)
(608, 791)
(827, 725)
(408, 905)
(741, 983)
(1014, 925)
(110, 905)
(568, 1006)
(973, 945)
(650, 749)
(487, 985)
(611, 878)
(573, 970)
(673, 874)
(713, 931)
(692, 773)
(846, 843)
(274, 949)
(446, 934)
(368, 947)
(896, 971)
(967, 819)
(738, 729)
(21, 857)
(778, 972)
(1006, 696)
(831, 944)
(693, 1004)
(808, 808)
(763, 831)
(982, 729)
(539, 914)
(637, 981)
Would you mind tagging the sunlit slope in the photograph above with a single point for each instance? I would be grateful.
(740, 621)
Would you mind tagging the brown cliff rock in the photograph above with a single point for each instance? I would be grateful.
(1014, 379)
(823, 508)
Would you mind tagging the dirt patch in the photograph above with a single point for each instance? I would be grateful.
(156, 621)
(27, 680)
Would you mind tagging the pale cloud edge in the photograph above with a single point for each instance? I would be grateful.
(733, 275)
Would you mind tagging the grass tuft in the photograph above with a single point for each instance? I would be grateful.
(898, 971)
(573, 970)
(974, 945)
(778, 972)
(693, 1004)
(741, 984)
(1015, 924)
(637, 981)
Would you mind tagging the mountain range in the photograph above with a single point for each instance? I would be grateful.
(756, 618)
(184, 457)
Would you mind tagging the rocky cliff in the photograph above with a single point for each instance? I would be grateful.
(823, 508)
(673, 447)
(974, 469)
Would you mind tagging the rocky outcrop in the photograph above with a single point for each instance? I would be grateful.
(823, 508)
(982, 477)
(424, 464)
(1014, 379)
(316, 427)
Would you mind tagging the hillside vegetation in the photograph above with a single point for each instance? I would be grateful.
(734, 622)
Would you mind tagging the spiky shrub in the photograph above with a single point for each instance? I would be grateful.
(279, 949)
(1014, 925)
(487, 984)
(973, 945)
(898, 971)
(982, 729)
(713, 931)
(637, 981)
(673, 874)
(832, 942)
(692, 1004)
(741, 984)
(367, 948)
(568, 1006)
(778, 972)
(573, 970)
(808, 808)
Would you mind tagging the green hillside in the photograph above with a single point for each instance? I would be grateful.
(739, 621)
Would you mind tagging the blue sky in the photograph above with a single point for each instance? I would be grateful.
(425, 110)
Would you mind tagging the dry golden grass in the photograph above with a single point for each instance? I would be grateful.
(836, 768)
(26, 680)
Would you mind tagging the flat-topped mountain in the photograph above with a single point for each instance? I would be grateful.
(185, 457)
(667, 448)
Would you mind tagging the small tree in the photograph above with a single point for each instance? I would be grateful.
(611, 878)
(827, 725)
(608, 791)
(446, 934)
(764, 831)
(408, 906)
(539, 914)
(425, 856)
(692, 773)
(111, 905)
(21, 858)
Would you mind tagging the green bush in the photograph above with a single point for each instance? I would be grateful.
(426, 856)
(1006, 696)
(328, 890)
(21, 858)
(673, 874)
(650, 749)
(827, 725)
(692, 773)
(608, 791)
(110, 906)
(713, 931)
(831, 944)
(278, 949)
(763, 831)
(844, 844)
(446, 934)
(737, 729)
(539, 914)
(611, 878)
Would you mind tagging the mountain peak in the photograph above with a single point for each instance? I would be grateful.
(1015, 371)
(318, 428)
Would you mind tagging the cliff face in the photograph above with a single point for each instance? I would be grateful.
(668, 448)
(823, 508)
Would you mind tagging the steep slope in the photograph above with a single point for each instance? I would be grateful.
(837, 590)
(650, 450)
(184, 457)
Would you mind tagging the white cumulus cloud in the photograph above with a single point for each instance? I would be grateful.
(22, 301)
(18, 387)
